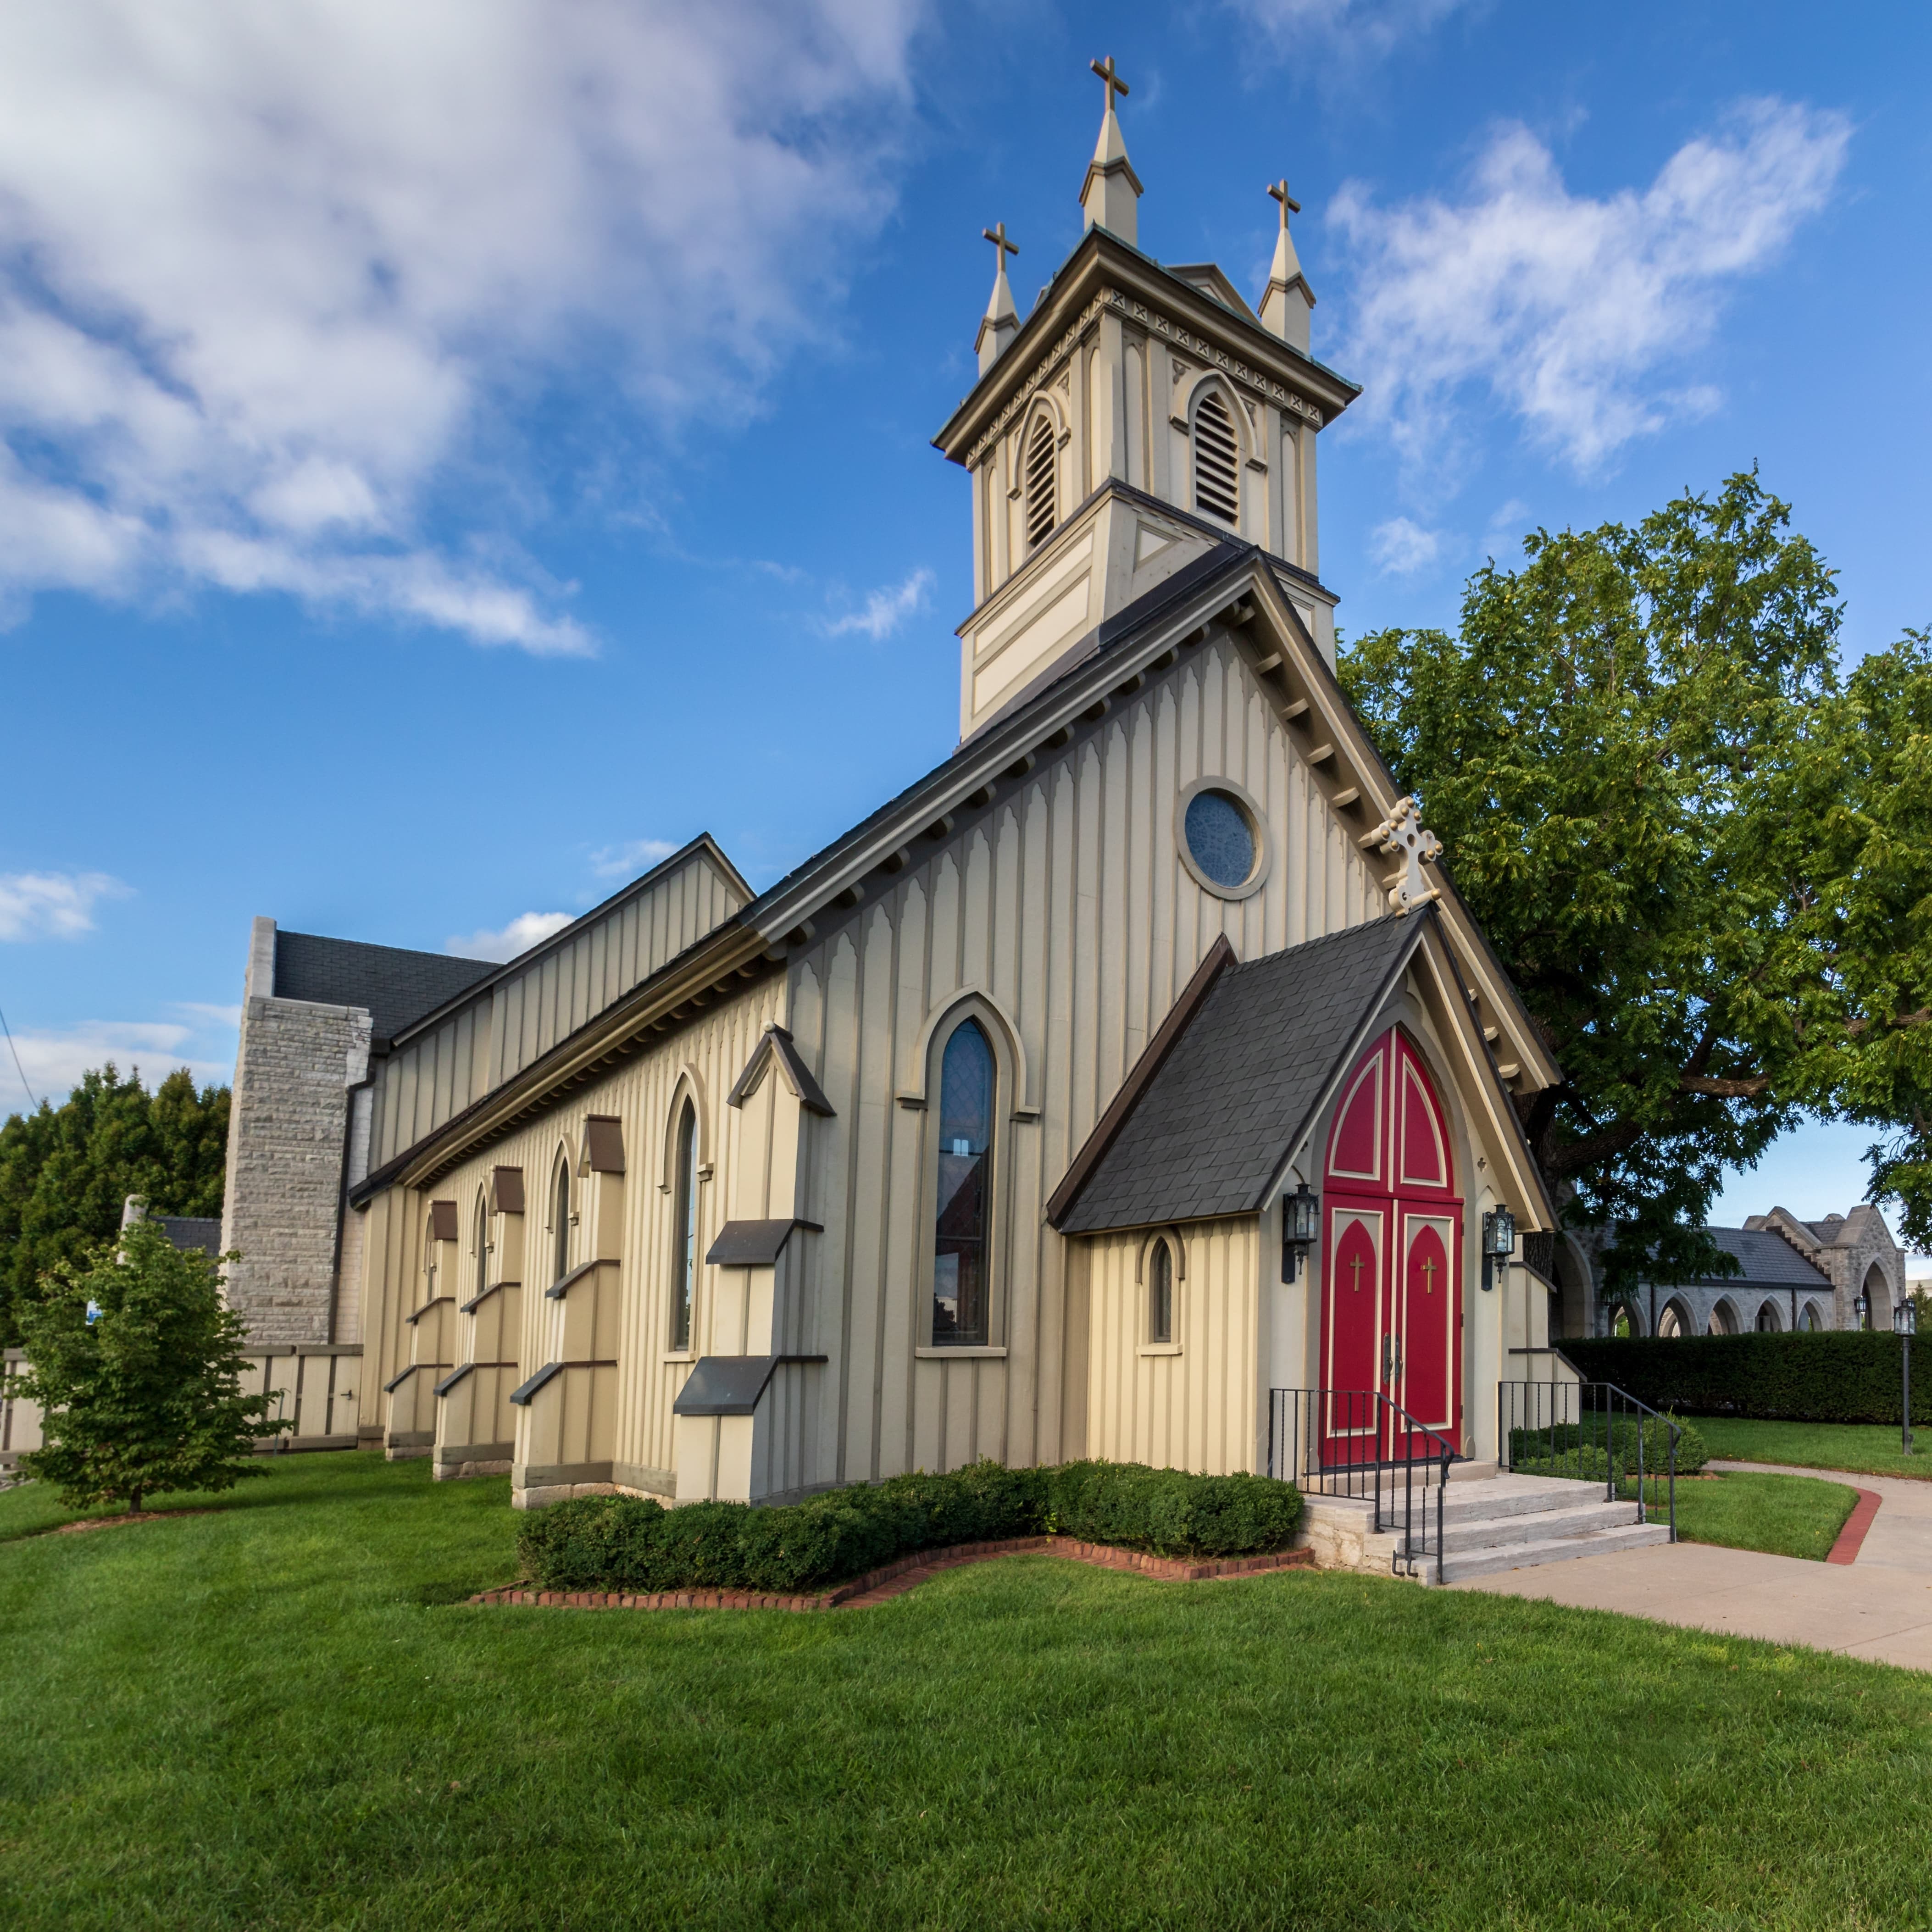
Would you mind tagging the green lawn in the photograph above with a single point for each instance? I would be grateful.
(1788, 1515)
(1870, 1448)
(277, 1717)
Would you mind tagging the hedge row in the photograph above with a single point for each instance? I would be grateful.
(1592, 1442)
(1848, 1377)
(632, 1543)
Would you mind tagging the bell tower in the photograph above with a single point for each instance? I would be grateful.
(1142, 416)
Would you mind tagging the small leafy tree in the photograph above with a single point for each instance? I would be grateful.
(145, 1395)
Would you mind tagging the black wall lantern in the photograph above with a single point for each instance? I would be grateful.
(1499, 1243)
(1301, 1221)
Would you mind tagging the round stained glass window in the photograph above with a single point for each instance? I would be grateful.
(1220, 840)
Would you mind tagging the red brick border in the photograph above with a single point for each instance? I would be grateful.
(894, 1579)
(1846, 1550)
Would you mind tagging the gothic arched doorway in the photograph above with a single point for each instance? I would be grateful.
(1392, 1299)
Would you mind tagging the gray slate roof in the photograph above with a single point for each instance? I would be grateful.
(1242, 1085)
(192, 1230)
(398, 987)
(1766, 1257)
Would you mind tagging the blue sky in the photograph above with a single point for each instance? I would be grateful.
(453, 453)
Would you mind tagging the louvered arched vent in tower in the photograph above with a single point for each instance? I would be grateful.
(1042, 510)
(1217, 486)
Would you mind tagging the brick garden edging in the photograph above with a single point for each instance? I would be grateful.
(1851, 1538)
(894, 1579)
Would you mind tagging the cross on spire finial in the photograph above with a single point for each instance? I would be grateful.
(1115, 84)
(996, 235)
(1289, 205)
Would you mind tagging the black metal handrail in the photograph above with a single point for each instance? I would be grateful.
(1357, 1443)
(1585, 1432)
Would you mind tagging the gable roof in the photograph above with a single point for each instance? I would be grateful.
(397, 987)
(1237, 584)
(1239, 1090)
(1766, 1258)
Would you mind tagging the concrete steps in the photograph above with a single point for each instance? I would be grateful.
(1490, 1523)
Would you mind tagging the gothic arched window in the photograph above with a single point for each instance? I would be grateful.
(684, 1232)
(560, 1224)
(482, 1246)
(961, 1301)
(1041, 483)
(1217, 457)
(1160, 1293)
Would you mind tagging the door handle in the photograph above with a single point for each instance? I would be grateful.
(1391, 1358)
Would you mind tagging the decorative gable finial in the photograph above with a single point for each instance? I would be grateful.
(1111, 192)
(1402, 833)
(1002, 322)
(1288, 298)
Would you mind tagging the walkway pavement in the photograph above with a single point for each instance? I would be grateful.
(1879, 1607)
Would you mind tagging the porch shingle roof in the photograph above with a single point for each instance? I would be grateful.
(1241, 1087)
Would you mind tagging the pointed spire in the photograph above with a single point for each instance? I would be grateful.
(1001, 322)
(1111, 194)
(1285, 306)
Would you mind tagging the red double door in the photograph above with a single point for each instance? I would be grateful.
(1392, 1289)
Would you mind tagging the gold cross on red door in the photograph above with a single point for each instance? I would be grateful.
(1355, 1262)
(1428, 1268)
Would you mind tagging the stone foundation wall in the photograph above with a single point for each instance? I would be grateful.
(287, 1141)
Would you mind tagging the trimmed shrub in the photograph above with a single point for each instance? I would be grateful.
(1566, 1440)
(1169, 1512)
(633, 1544)
(1851, 1377)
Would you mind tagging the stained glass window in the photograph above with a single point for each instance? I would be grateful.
(960, 1301)
(684, 1242)
(1220, 838)
(559, 1225)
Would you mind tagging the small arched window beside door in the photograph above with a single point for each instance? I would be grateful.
(961, 1265)
(1160, 1293)
(684, 1230)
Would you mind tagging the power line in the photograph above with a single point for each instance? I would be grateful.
(15, 1051)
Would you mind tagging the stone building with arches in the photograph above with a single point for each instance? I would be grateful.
(1792, 1275)
(980, 1133)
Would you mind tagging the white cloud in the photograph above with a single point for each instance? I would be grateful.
(885, 611)
(1563, 306)
(52, 905)
(626, 861)
(1401, 548)
(274, 280)
(525, 930)
(1371, 27)
(53, 1059)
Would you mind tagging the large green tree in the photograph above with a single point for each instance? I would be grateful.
(66, 1171)
(1704, 853)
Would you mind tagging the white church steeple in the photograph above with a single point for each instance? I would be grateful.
(1110, 196)
(1001, 322)
(1141, 415)
(1285, 306)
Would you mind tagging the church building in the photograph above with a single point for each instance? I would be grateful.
(1134, 1064)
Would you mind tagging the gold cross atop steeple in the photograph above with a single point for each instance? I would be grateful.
(1115, 85)
(1289, 205)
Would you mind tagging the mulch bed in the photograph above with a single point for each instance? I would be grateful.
(905, 1573)
(115, 1522)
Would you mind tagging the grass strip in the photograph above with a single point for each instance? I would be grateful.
(1860, 1448)
(1784, 1516)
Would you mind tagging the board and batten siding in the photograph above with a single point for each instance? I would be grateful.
(1199, 1408)
(515, 1019)
(708, 1054)
(1067, 904)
